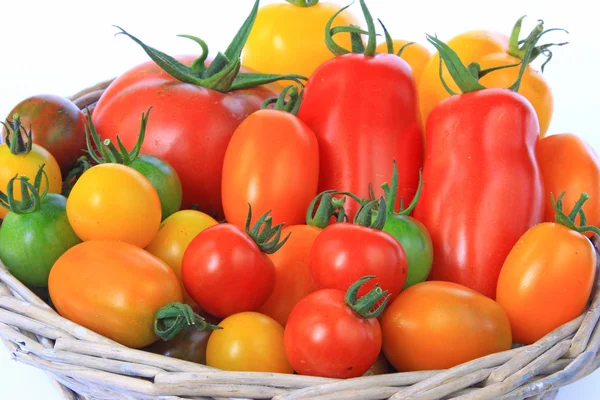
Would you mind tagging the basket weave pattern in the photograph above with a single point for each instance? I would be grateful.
(89, 366)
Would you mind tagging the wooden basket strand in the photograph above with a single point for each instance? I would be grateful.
(89, 366)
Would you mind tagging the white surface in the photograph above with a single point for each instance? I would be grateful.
(63, 46)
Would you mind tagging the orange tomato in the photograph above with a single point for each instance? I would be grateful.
(173, 237)
(114, 202)
(546, 280)
(113, 288)
(438, 325)
(293, 281)
(415, 54)
(568, 163)
(272, 163)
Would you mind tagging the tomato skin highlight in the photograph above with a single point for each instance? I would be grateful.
(569, 164)
(546, 280)
(324, 337)
(184, 117)
(31, 243)
(114, 202)
(293, 281)
(289, 39)
(225, 272)
(56, 124)
(345, 87)
(271, 163)
(249, 341)
(483, 187)
(113, 288)
(420, 323)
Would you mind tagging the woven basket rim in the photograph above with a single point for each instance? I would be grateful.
(88, 365)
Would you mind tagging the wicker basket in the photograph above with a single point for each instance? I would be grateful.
(89, 366)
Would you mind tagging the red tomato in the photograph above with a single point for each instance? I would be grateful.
(483, 186)
(293, 281)
(570, 165)
(343, 253)
(226, 270)
(261, 168)
(329, 335)
(363, 106)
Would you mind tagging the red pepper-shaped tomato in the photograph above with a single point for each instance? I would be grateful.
(483, 188)
(261, 165)
(195, 112)
(362, 107)
(333, 335)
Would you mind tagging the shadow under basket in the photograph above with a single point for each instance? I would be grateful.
(86, 365)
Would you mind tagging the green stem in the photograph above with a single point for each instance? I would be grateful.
(364, 305)
(15, 135)
(31, 198)
(364, 216)
(303, 3)
(174, 317)
(266, 236)
(569, 220)
(282, 103)
(337, 50)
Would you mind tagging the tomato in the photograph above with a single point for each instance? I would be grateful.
(569, 164)
(424, 319)
(363, 106)
(226, 269)
(160, 173)
(474, 173)
(415, 54)
(56, 124)
(192, 108)
(544, 286)
(114, 202)
(174, 235)
(250, 342)
(331, 333)
(261, 167)
(490, 50)
(345, 252)
(113, 288)
(287, 37)
(33, 238)
(23, 157)
(293, 281)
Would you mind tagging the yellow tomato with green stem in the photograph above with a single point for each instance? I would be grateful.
(20, 156)
(289, 37)
(173, 237)
(491, 50)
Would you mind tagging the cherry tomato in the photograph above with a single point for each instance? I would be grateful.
(569, 164)
(249, 341)
(332, 334)
(226, 269)
(293, 281)
(546, 279)
(113, 288)
(438, 325)
(173, 237)
(114, 202)
(25, 158)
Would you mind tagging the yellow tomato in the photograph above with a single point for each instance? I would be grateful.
(470, 46)
(290, 39)
(249, 341)
(173, 237)
(114, 202)
(28, 165)
(415, 54)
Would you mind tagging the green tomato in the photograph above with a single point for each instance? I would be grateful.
(31, 243)
(165, 180)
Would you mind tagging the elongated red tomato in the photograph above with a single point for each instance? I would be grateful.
(271, 163)
(363, 109)
(483, 187)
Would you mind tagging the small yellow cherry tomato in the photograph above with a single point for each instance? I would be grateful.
(173, 237)
(114, 202)
(249, 341)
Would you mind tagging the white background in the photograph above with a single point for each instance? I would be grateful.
(61, 47)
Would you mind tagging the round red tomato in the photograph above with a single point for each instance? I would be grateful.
(225, 270)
